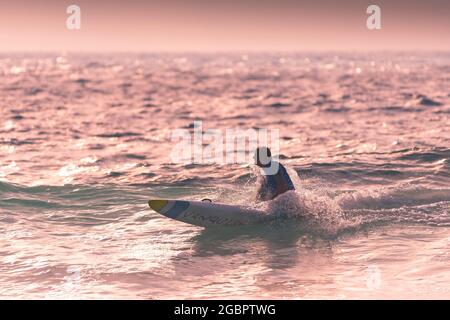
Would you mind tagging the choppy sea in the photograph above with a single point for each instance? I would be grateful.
(85, 141)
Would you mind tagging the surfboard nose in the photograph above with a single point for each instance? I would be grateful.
(157, 204)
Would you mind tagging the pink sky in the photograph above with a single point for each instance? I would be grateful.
(201, 25)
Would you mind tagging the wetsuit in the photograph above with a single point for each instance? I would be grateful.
(274, 184)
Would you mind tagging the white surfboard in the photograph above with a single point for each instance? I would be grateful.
(207, 214)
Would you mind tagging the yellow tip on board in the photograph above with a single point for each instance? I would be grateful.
(157, 204)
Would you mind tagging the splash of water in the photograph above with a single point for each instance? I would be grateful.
(328, 214)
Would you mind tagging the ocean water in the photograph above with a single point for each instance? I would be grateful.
(85, 141)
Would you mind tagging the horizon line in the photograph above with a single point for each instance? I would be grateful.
(236, 51)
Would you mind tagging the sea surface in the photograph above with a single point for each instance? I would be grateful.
(85, 141)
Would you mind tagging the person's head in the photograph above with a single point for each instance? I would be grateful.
(263, 157)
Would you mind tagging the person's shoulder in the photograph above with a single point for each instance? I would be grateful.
(281, 166)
